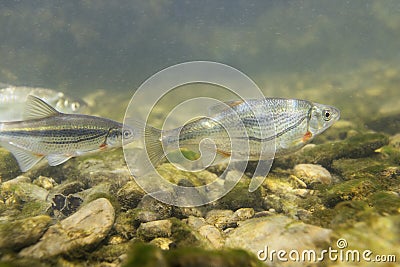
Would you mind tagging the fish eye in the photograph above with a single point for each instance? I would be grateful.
(127, 133)
(75, 106)
(326, 114)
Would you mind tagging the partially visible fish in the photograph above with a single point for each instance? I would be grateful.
(13, 98)
(47, 133)
(252, 129)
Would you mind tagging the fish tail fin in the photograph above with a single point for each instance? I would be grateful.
(25, 159)
(154, 146)
(152, 152)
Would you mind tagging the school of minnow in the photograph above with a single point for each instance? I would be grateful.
(255, 129)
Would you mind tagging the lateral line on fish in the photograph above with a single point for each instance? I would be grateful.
(75, 141)
(269, 138)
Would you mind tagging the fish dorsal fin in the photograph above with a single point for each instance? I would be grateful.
(220, 107)
(36, 108)
(26, 160)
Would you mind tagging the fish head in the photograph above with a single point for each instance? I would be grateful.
(119, 136)
(322, 117)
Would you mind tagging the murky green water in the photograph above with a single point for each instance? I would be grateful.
(341, 53)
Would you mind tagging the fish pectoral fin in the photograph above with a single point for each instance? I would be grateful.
(57, 159)
(26, 159)
(36, 108)
(218, 108)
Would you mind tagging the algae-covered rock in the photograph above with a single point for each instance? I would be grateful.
(150, 230)
(130, 195)
(184, 236)
(240, 197)
(20, 190)
(22, 233)
(8, 165)
(175, 176)
(77, 233)
(147, 256)
(386, 202)
(358, 146)
(149, 203)
(222, 219)
(109, 253)
(357, 189)
(358, 168)
(277, 232)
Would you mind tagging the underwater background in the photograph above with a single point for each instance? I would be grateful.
(340, 53)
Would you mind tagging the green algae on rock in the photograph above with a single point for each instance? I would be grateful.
(358, 146)
(75, 234)
(22, 233)
(148, 255)
(8, 165)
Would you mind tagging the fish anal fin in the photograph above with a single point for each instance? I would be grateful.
(26, 159)
(57, 159)
(36, 108)
(218, 108)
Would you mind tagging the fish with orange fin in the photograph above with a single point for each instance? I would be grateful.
(255, 129)
(47, 133)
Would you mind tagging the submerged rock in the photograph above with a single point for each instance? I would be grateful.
(312, 173)
(77, 233)
(150, 230)
(358, 168)
(277, 233)
(358, 146)
(212, 234)
(148, 255)
(130, 195)
(8, 165)
(22, 233)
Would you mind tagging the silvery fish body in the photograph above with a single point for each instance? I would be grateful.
(47, 133)
(253, 129)
(13, 98)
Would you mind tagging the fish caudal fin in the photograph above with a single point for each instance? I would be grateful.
(153, 144)
(26, 160)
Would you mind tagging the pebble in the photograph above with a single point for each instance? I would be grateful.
(212, 234)
(162, 242)
(77, 233)
(312, 173)
(150, 230)
(243, 214)
(45, 182)
(195, 222)
(221, 219)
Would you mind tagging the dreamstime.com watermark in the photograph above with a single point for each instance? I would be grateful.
(340, 254)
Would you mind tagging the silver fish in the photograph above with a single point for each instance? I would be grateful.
(13, 98)
(252, 129)
(47, 133)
